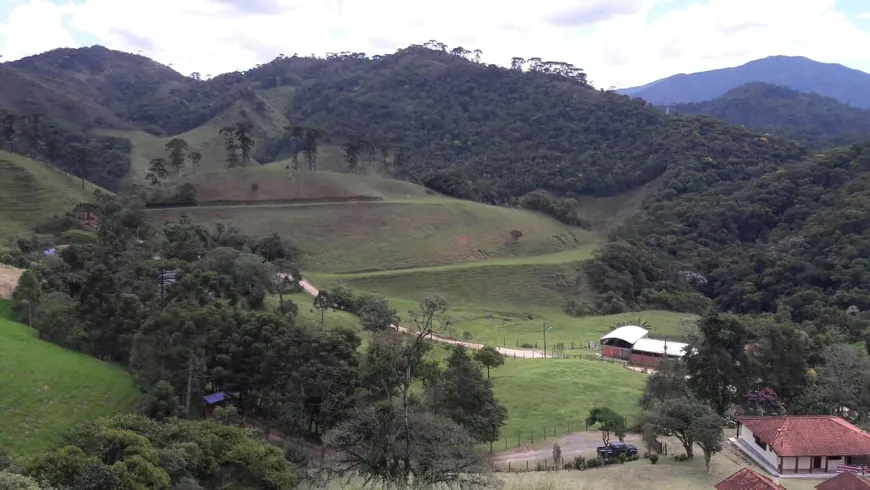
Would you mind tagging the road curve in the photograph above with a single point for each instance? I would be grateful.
(505, 351)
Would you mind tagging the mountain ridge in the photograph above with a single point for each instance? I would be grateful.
(845, 84)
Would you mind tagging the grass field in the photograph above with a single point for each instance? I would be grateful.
(410, 233)
(557, 394)
(46, 390)
(32, 192)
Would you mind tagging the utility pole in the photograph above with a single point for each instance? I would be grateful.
(189, 386)
(545, 327)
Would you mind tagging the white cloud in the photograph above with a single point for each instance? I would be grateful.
(612, 39)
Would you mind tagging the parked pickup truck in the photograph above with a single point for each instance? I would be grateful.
(614, 449)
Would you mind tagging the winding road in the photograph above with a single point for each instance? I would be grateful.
(505, 351)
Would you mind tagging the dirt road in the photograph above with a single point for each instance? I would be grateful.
(506, 351)
(573, 444)
(8, 280)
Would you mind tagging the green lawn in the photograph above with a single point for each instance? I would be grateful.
(46, 390)
(32, 192)
(557, 394)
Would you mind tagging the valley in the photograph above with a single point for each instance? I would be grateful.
(520, 213)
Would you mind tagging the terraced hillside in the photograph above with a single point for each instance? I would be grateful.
(32, 192)
(46, 390)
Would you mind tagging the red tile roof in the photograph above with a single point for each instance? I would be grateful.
(813, 435)
(844, 481)
(747, 479)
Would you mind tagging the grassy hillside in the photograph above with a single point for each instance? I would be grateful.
(46, 390)
(408, 230)
(275, 182)
(32, 192)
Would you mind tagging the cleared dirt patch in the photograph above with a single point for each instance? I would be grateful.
(8, 280)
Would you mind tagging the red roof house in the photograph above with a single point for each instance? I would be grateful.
(803, 444)
(845, 481)
(747, 479)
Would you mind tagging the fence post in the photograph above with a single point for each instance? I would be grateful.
(490, 447)
(518, 439)
(527, 465)
(505, 443)
(509, 466)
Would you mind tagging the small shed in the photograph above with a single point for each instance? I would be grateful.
(212, 401)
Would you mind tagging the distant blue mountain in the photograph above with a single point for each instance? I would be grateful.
(845, 84)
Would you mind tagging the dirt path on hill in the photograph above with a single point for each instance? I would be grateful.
(573, 444)
(8, 280)
(506, 351)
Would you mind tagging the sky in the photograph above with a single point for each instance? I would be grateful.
(619, 43)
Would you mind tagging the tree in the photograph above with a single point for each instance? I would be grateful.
(161, 402)
(669, 381)
(843, 381)
(321, 303)
(157, 170)
(779, 357)
(376, 313)
(608, 422)
(27, 296)
(517, 63)
(677, 415)
(489, 357)
(466, 397)
(763, 402)
(477, 54)
(717, 362)
(372, 445)
(310, 147)
(351, 150)
(707, 433)
(82, 156)
(516, 234)
(231, 146)
(195, 158)
(178, 150)
(242, 134)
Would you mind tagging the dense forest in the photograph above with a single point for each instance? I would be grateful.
(103, 160)
(791, 241)
(811, 119)
(185, 309)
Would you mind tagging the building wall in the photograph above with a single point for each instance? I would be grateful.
(748, 437)
(615, 352)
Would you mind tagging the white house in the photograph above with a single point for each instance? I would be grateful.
(803, 444)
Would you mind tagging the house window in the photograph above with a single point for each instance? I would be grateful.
(759, 442)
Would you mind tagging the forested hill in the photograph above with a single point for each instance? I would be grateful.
(498, 134)
(814, 120)
(464, 128)
(794, 241)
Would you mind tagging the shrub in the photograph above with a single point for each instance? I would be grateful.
(467, 336)
(681, 457)
(653, 458)
(568, 466)
(255, 187)
(622, 458)
(540, 466)
(633, 457)
(526, 345)
(77, 237)
(579, 463)
(593, 463)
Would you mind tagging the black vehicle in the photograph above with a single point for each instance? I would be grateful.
(614, 449)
